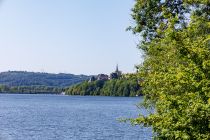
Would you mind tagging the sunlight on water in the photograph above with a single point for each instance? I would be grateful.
(54, 117)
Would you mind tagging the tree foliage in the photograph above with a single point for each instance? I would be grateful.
(23, 78)
(176, 70)
(153, 16)
(30, 89)
(115, 87)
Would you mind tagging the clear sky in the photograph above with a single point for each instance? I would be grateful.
(71, 36)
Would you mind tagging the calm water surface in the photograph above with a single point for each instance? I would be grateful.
(56, 117)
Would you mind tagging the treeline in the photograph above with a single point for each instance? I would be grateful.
(36, 82)
(115, 87)
(26, 79)
(30, 89)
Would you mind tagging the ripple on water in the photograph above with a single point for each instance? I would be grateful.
(53, 117)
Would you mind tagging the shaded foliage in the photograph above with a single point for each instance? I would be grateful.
(21, 78)
(30, 89)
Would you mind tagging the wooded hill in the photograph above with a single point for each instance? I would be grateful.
(22, 78)
(36, 82)
(126, 85)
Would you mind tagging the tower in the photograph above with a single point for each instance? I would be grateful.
(117, 70)
(119, 73)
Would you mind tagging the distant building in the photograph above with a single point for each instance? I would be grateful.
(115, 75)
(102, 77)
(92, 78)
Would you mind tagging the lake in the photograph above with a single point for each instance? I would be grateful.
(57, 117)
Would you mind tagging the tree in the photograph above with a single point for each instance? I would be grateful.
(153, 16)
(176, 70)
(126, 86)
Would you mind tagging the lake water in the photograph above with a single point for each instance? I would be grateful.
(57, 117)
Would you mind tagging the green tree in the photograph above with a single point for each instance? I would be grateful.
(176, 70)
(153, 16)
(125, 86)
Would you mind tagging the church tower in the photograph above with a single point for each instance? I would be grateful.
(117, 74)
(117, 70)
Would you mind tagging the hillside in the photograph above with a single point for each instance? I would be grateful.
(23, 78)
(123, 86)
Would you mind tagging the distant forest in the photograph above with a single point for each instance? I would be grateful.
(38, 83)
(30, 89)
(125, 86)
(33, 82)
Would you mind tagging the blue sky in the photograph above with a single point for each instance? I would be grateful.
(71, 36)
